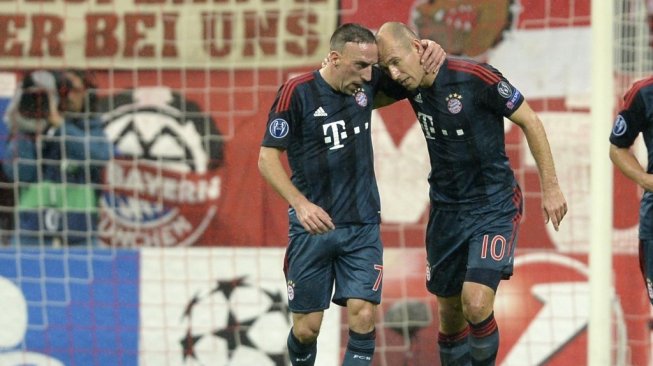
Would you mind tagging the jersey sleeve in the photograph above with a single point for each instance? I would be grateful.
(629, 122)
(499, 94)
(280, 119)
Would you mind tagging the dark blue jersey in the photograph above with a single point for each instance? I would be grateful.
(461, 116)
(637, 117)
(329, 145)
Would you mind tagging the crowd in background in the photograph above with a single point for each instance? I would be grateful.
(54, 157)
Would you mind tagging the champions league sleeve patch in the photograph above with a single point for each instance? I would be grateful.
(279, 128)
(620, 126)
(515, 97)
(505, 90)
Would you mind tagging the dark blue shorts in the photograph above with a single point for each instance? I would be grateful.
(476, 245)
(646, 265)
(351, 257)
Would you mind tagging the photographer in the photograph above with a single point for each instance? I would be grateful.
(56, 154)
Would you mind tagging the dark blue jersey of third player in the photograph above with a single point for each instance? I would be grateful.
(637, 117)
(461, 116)
(328, 140)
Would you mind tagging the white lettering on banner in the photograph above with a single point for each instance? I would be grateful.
(169, 189)
(51, 219)
(198, 33)
(161, 236)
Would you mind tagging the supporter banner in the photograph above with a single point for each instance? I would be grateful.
(219, 306)
(187, 176)
(542, 312)
(163, 187)
(245, 211)
(216, 34)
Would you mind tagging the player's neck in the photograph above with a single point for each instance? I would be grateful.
(327, 74)
(428, 80)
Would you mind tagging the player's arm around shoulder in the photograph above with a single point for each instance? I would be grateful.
(554, 204)
(382, 100)
(312, 217)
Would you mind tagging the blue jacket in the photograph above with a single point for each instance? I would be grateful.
(59, 175)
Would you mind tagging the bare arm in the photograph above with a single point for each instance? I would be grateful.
(554, 205)
(626, 161)
(312, 217)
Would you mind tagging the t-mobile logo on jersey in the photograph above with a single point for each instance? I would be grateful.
(334, 132)
(426, 122)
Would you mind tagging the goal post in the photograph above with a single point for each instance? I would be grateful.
(600, 343)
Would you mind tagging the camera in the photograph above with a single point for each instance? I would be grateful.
(36, 89)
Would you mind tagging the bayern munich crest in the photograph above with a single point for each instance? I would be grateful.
(165, 184)
(361, 98)
(454, 103)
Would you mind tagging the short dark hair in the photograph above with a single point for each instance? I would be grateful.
(350, 32)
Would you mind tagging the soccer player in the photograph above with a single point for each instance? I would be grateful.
(476, 202)
(633, 119)
(322, 120)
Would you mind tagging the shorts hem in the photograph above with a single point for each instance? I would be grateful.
(343, 301)
(310, 311)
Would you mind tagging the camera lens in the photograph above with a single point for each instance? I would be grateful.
(34, 104)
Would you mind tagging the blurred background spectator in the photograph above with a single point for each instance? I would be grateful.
(466, 27)
(56, 153)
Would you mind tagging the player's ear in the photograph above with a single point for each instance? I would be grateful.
(418, 46)
(334, 57)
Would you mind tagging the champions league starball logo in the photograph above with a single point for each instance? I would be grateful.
(162, 188)
(235, 323)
